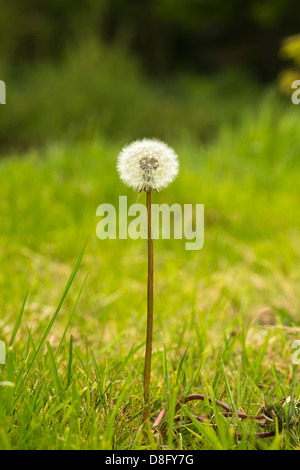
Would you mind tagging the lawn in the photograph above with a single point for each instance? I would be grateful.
(225, 316)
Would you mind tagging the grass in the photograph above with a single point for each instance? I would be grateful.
(225, 317)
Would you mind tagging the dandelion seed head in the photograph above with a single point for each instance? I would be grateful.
(147, 165)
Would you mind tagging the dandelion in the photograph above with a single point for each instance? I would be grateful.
(148, 165)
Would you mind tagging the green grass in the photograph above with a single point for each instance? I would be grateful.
(73, 378)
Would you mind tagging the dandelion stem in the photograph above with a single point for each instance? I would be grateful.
(148, 353)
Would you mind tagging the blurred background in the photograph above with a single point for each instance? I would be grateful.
(125, 69)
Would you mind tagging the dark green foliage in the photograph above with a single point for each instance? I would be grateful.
(166, 34)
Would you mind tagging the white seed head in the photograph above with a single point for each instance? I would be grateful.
(147, 165)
